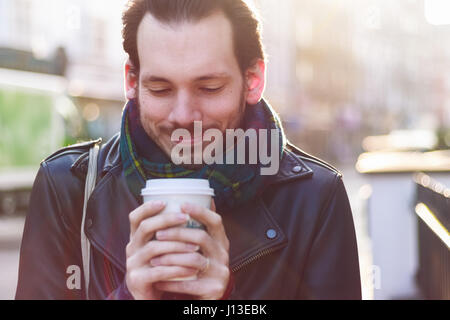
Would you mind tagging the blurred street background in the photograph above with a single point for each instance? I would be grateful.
(362, 84)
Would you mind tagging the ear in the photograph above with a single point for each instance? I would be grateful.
(131, 80)
(255, 78)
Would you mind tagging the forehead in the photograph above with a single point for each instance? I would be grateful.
(186, 49)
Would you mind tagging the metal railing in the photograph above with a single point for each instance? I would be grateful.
(433, 214)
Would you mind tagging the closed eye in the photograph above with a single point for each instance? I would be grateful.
(159, 92)
(212, 90)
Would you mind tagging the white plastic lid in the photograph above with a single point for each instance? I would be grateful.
(177, 186)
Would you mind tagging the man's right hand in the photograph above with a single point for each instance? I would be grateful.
(140, 275)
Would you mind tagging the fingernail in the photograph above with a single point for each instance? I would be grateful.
(155, 262)
(193, 247)
(158, 204)
(187, 206)
(182, 217)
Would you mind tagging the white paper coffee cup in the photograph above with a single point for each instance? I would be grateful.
(174, 192)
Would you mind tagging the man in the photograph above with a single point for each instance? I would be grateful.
(289, 235)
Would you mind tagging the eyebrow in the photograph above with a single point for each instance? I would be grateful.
(152, 78)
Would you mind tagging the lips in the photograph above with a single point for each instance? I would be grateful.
(188, 141)
(189, 136)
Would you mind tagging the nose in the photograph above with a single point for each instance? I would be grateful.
(184, 111)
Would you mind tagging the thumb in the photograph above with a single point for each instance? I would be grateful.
(213, 205)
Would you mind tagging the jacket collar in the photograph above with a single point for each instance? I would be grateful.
(251, 228)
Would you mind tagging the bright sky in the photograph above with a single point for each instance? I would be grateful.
(437, 12)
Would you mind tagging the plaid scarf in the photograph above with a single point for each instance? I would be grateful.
(233, 184)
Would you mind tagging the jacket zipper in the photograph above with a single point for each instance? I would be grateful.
(253, 259)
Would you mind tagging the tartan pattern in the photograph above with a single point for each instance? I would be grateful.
(233, 184)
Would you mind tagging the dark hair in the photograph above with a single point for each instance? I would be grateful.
(246, 26)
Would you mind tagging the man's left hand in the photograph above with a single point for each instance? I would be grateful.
(213, 263)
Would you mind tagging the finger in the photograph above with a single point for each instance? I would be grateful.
(149, 226)
(213, 205)
(205, 288)
(192, 260)
(155, 248)
(209, 218)
(195, 236)
(162, 273)
(142, 212)
(212, 221)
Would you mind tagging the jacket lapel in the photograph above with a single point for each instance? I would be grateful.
(251, 230)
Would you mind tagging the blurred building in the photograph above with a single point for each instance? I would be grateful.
(327, 76)
(83, 38)
(354, 68)
(405, 61)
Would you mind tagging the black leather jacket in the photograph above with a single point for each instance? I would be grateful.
(297, 241)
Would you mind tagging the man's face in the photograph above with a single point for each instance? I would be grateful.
(188, 72)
